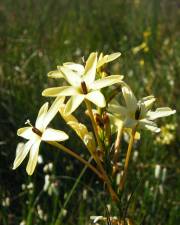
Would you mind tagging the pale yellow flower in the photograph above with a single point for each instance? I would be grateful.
(80, 69)
(139, 113)
(36, 134)
(82, 84)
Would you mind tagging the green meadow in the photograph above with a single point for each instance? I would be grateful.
(35, 37)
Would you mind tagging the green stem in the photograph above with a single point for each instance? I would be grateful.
(75, 155)
(131, 142)
(58, 220)
(117, 144)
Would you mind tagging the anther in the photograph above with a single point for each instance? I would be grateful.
(84, 87)
(138, 112)
(36, 131)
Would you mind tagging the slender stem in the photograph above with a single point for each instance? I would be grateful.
(117, 143)
(75, 155)
(106, 178)
(58, 219)
(131, 142)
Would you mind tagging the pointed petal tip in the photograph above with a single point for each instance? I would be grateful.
(14, 167)
(44, 93)
(25, 132)
(116, 54)
(18, 132)
(30, 173)
(55, 74)
(121, 77)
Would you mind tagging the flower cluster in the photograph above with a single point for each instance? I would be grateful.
(88, 82)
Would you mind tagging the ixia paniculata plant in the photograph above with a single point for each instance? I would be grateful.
(88, 83)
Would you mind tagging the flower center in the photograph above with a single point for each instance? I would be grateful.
(34, 129)
(84, 87)
(37, 131)
(138, 112)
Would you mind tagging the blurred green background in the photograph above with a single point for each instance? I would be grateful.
(35, 37)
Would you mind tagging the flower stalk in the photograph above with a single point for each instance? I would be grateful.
(117, 144)
(78, 157)
(131, 142)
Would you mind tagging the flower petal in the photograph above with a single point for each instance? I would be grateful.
(60, 91)
(152, 128)
(79, 128)
(21, 152)
(97, 98)
(147, 122)
(150, 125)
(145, 104)
(55, 74)
(75, 67)
(108, 58)
(117, 109)
(129, 97)
(33, 157)
(71, 77)
(160, 112)
(90, 69)
(148, 101)
(54, 135)
(25, 132)
(41, 116)
(107, 81)
(53, 110)
(113, 56)
(73, 103)
(130, 123)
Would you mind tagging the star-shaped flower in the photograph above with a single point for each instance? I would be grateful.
(36, 134)
(82, 84)
(139, 113)
(78, 68)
